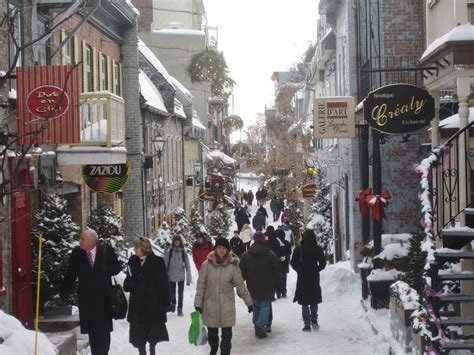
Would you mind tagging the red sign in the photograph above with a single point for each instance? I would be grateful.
(309, 190)
(47, 102)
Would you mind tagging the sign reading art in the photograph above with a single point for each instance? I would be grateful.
(399, 108)
(106, 179)
(47, 102)
(334, 117)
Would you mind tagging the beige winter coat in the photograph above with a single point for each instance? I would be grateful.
(215, 291)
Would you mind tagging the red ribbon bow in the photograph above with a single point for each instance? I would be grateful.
(361, 197)
(377, 203)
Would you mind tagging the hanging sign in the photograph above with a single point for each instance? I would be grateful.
(47, 102)
(334, 117)
(106, 179)
(399, 108)
(308, 190)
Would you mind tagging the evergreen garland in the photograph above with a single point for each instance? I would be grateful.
(415, 261)
(60, 236)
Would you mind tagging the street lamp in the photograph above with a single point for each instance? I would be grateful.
(197, 168)
(159, 144)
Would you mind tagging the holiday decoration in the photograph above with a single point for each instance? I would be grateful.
(163, 239)
(415, 261)
(378, 203)
(210, 66)
(181, 228)
(60, 236)
(361, 197)
(196, 225)
(219, 222)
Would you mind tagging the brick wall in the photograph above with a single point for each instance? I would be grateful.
(145, 20)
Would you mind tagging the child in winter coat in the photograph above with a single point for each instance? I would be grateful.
(201, 248)
(246, 235)
(215, 296)
(177, 263)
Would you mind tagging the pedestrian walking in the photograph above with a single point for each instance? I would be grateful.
(308, 260)
(246, 236)
(264, 212)
(284, 255)
(240, 216)
(250, 197)
(215, 296)
(261, 270)
(236, 244)
(147, 282)
(274, 206)
(288, 233)
(179, 270)
(243, 196)
(258, 221)
(201, 248)
(93, 264)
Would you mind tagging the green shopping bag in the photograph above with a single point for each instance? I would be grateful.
(197, 334)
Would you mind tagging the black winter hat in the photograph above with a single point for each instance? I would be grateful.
(223, 242)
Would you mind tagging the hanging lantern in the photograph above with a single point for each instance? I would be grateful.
(310, 170)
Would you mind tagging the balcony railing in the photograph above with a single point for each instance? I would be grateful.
(102, 119)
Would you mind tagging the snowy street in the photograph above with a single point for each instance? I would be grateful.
(341, 317)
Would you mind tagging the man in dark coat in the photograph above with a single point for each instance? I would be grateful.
(308, 260)
(258, 221)
(93, 264)
(250, 197)
(147, 282)
(241, 217)
(274, 206)
(236, 244)
(261, 269)
(264, 212)
(284, 253)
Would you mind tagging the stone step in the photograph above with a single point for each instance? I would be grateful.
(456, 298)
(458, 321)
(447, 256)
(58, 323)
(65, 342)
(456, 238)
(458, 345)
(456, 276)
(469, 211)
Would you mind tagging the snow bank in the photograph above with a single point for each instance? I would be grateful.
(393, 251)
(15, 339)
(337, 280)
(382, 275)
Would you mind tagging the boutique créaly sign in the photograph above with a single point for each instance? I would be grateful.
(106, 179)
(399, 108)
(334, 117)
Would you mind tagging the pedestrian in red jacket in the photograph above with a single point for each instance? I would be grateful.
(201, 248)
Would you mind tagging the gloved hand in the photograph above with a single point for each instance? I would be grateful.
(250, 309)
(199, 309)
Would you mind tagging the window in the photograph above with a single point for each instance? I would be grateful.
(39, 48)
(88, 69)
(117, 88)
(104, 80)
(68, 50)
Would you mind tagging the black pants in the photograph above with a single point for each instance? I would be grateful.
(180, 293)
(99, 342)
(282, 287)
(226, 340)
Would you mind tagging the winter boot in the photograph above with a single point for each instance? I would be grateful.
(180, 312)
(268, 328)
(306, 328)
(314, 324)
(256, 330)
(214, 350)
(261, 332)
(173, 308)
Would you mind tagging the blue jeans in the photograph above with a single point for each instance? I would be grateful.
(310, 313)
(261, 311)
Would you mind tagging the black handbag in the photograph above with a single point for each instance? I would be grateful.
(118, 302)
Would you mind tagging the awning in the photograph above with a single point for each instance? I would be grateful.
(452, 122)
(151, 94)
(217, 154)
(179, 109)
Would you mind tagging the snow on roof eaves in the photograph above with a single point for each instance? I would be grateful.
(453, 121)
(180, 87)
(459, 33)
(179, 32)
(222, 156)
(198, 124)
(150, 93)
(178, 109)
(154, 61)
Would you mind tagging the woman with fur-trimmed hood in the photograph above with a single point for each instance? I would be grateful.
(215, 297)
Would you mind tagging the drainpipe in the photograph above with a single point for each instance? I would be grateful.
(183, 166)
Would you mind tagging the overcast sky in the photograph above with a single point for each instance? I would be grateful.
(257, 38)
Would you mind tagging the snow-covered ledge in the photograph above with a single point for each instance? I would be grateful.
(91, 155)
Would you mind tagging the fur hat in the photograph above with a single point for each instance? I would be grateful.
(223, 242)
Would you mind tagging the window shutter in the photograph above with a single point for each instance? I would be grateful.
(109, 74)
(99, 72)
(95, 71)
(62, 36)
(114, 79)
(84, 71)
(120, 80)
(76, 50)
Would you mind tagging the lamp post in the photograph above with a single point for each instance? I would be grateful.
(159, 145)
(197, 172)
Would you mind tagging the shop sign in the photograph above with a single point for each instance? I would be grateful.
(334, 117)
(309, 190)
(47, 102)
(106, 179)
(399, 108)
(324, 162)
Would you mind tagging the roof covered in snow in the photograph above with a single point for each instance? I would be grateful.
(197, 123)
(178, 108)
(154, 61)
(179, 32)
(183, 94)
(222, 156)
(464, 32)
(150, 93)
(453, 121)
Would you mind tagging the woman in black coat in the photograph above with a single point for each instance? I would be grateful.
(308, 260)
(147, 282)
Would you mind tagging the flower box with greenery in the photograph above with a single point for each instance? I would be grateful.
(393, 256)
(379, 285)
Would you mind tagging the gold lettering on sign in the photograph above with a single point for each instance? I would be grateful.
(322, 118)
(381, 115)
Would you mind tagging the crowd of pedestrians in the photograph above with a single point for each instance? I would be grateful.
(255, 263)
